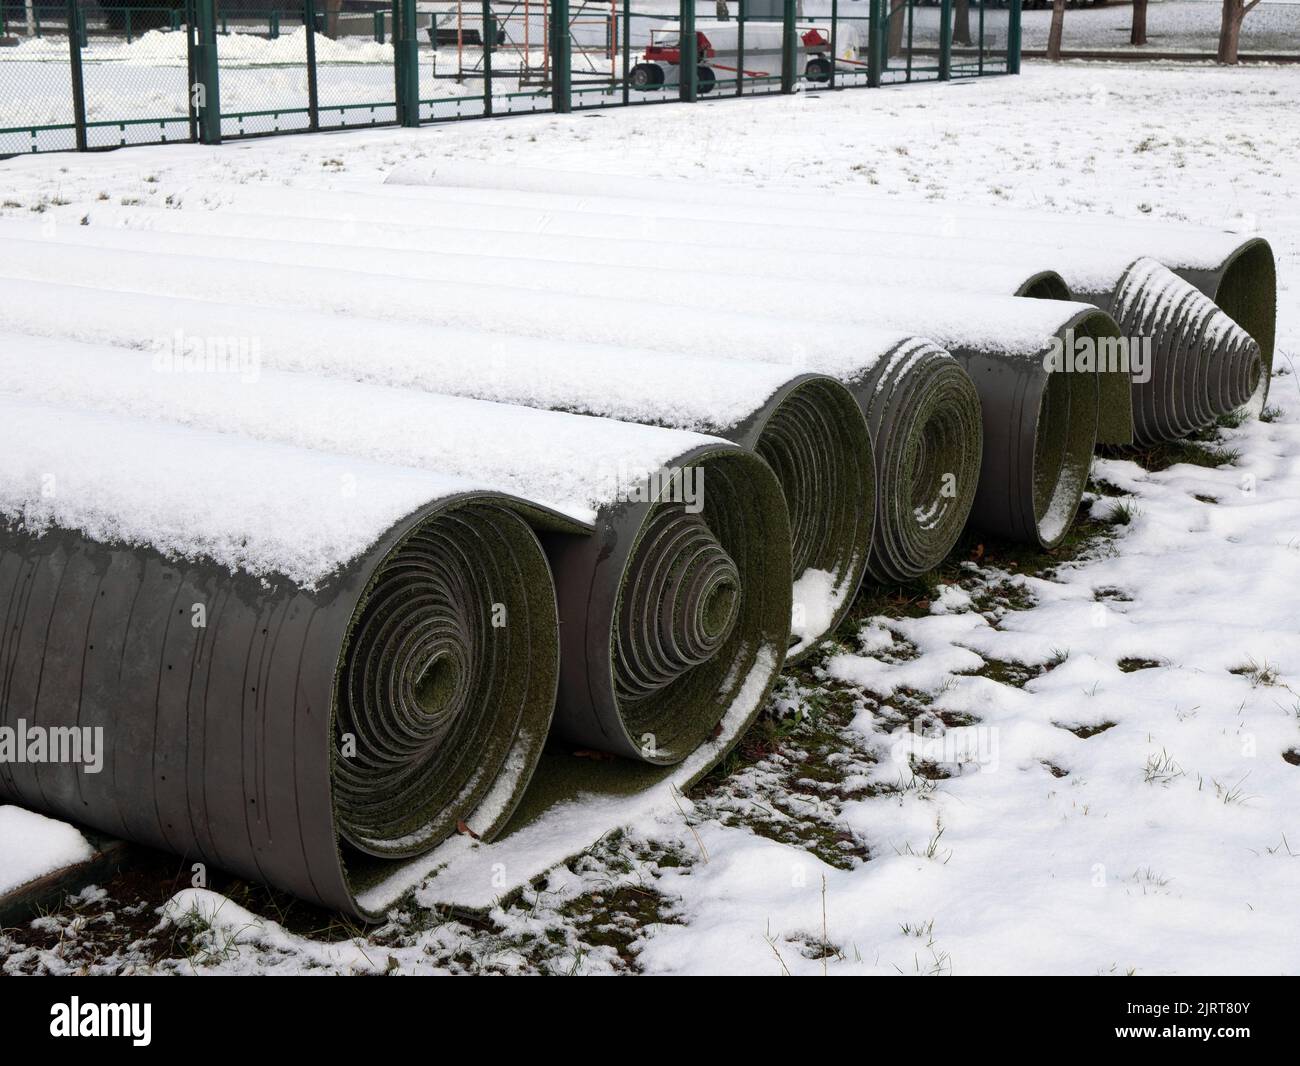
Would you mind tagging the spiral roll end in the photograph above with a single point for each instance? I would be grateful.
(927, 428)
(448, 681)
(817, 443)
(1203, 365)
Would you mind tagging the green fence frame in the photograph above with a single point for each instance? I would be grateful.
(204, 27)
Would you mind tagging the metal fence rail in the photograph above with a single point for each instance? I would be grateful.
(154, 71)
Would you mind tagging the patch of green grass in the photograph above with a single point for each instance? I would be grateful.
(1132, 666)
(1190, 450)
(1014, 675)
(1257, 673)
(1084, 732)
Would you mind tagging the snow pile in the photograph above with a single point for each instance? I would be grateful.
(33, 846)
(168, 48)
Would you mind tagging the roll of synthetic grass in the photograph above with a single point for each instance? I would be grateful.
(1202, 364)
(290, 682)
(915, 397)
(1238, 272)
(1195, 343)
(1041, 418)
(529, 256)
(1014, 329)
(926, 422)
(680, 594)
(806, 426)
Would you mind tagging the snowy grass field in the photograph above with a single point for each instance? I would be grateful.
(1172, 26)
(1087, 763)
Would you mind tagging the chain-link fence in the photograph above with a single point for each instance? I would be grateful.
(206, 70)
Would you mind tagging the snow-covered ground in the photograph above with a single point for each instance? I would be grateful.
(1172, 26)
(1086, 767)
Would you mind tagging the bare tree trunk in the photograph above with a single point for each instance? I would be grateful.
(961, 22)
(1058, 29)
(1139, 34)
(332, 9)
(897, 22)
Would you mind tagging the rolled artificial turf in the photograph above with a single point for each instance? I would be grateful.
(676, 605)
(672, 590)
(806, 426)
(927, 427)
(952, 245)
(288, 727)
(1202, 364)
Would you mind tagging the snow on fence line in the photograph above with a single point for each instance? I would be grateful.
(115, 91)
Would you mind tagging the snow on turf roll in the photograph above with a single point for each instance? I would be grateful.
(224, 615)
(1238, 272)
(1202, 364)
(717, 326)
(916, 399)
(1188, 351)
(847, 340)
(666, 608)
(808, 427)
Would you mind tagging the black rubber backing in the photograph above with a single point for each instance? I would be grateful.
(1040, 430)
(1245, 287)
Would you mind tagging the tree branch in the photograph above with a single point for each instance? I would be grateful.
(1249, 8)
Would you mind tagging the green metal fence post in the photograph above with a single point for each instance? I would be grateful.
(688, 53)
(945, 40)
(740, 47)
(1013, 38)
(876, 38)
(78, 84)
(911, 15)
(191, 70)
(561, 58)
(313, 88)
(489, 43)
(207, 79)
(627, 50)
(789, 51)
(406, 56)
(835, 19)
